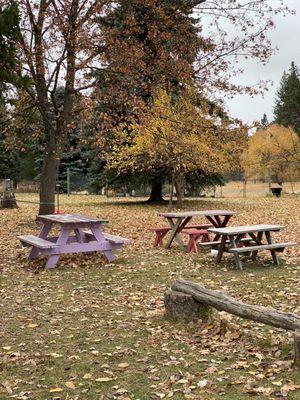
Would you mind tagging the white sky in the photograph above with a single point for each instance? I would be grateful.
(286, 37)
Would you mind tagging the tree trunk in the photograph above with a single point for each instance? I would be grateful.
(48, 182)
(170, 206)
(156, 190)
(179, 186)
(223, 302)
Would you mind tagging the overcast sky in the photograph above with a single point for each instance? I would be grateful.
(286, 37)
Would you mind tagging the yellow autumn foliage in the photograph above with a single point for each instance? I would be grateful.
(179, 137)
(273, 152)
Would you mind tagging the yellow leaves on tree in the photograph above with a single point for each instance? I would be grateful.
(178, 136)
(273, 152)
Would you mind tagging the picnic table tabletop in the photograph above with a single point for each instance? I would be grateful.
(70, 219)
(203, 213)
(236, 230)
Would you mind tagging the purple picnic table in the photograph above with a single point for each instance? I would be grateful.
(73, 238)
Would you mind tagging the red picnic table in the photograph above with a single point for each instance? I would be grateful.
(72, 238)
(178, 221)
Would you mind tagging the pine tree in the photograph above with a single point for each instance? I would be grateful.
(9, 30)
(148, 45)
(76, 157)
(10, 163)
(263, 122)
(287, 104)
(9, 35)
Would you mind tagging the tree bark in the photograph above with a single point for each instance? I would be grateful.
(156, 190)
(179, 186)
(48, 182)
(222, 302)
(170, 205)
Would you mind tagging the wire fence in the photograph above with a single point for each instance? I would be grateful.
(237, 189)
(35, 202)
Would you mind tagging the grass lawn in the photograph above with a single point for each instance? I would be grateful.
(93, 330)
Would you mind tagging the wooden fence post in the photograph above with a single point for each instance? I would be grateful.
(7, 199)
(244, 188)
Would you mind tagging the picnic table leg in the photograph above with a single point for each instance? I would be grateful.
(234, 245)
(159, 235)
(43, 235)
(218, 223)
(80, 236)
(212, 220)
(221, 248)
(257, 240)
(273, 252)
(62, 239)
(101, 239)
(192, 245)
(225, 221)
(176, 228)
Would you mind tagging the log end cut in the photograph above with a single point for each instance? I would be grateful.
(181, 306)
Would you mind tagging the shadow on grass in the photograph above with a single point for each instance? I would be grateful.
(200, 204)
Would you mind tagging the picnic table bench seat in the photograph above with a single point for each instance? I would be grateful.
(31, 240)
(160, 232)
(274, 246)
(109, 237)
(200, 226)
(115, 239)
(218, 242)
(195, 235)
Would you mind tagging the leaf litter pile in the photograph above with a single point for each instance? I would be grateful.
(94, 330)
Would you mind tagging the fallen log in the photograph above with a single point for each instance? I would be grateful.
(223, 302)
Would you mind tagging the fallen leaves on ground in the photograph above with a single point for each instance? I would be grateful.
(96, 330)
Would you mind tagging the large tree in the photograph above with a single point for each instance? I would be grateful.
(58, 46)
(287, 104)
(172, 44)
(148, 45)
(179, 137)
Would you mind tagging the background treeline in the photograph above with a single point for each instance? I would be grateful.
(123, 93)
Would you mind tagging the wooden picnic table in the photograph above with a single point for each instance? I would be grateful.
(178, 221)
(247, 239)
(72, 237)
